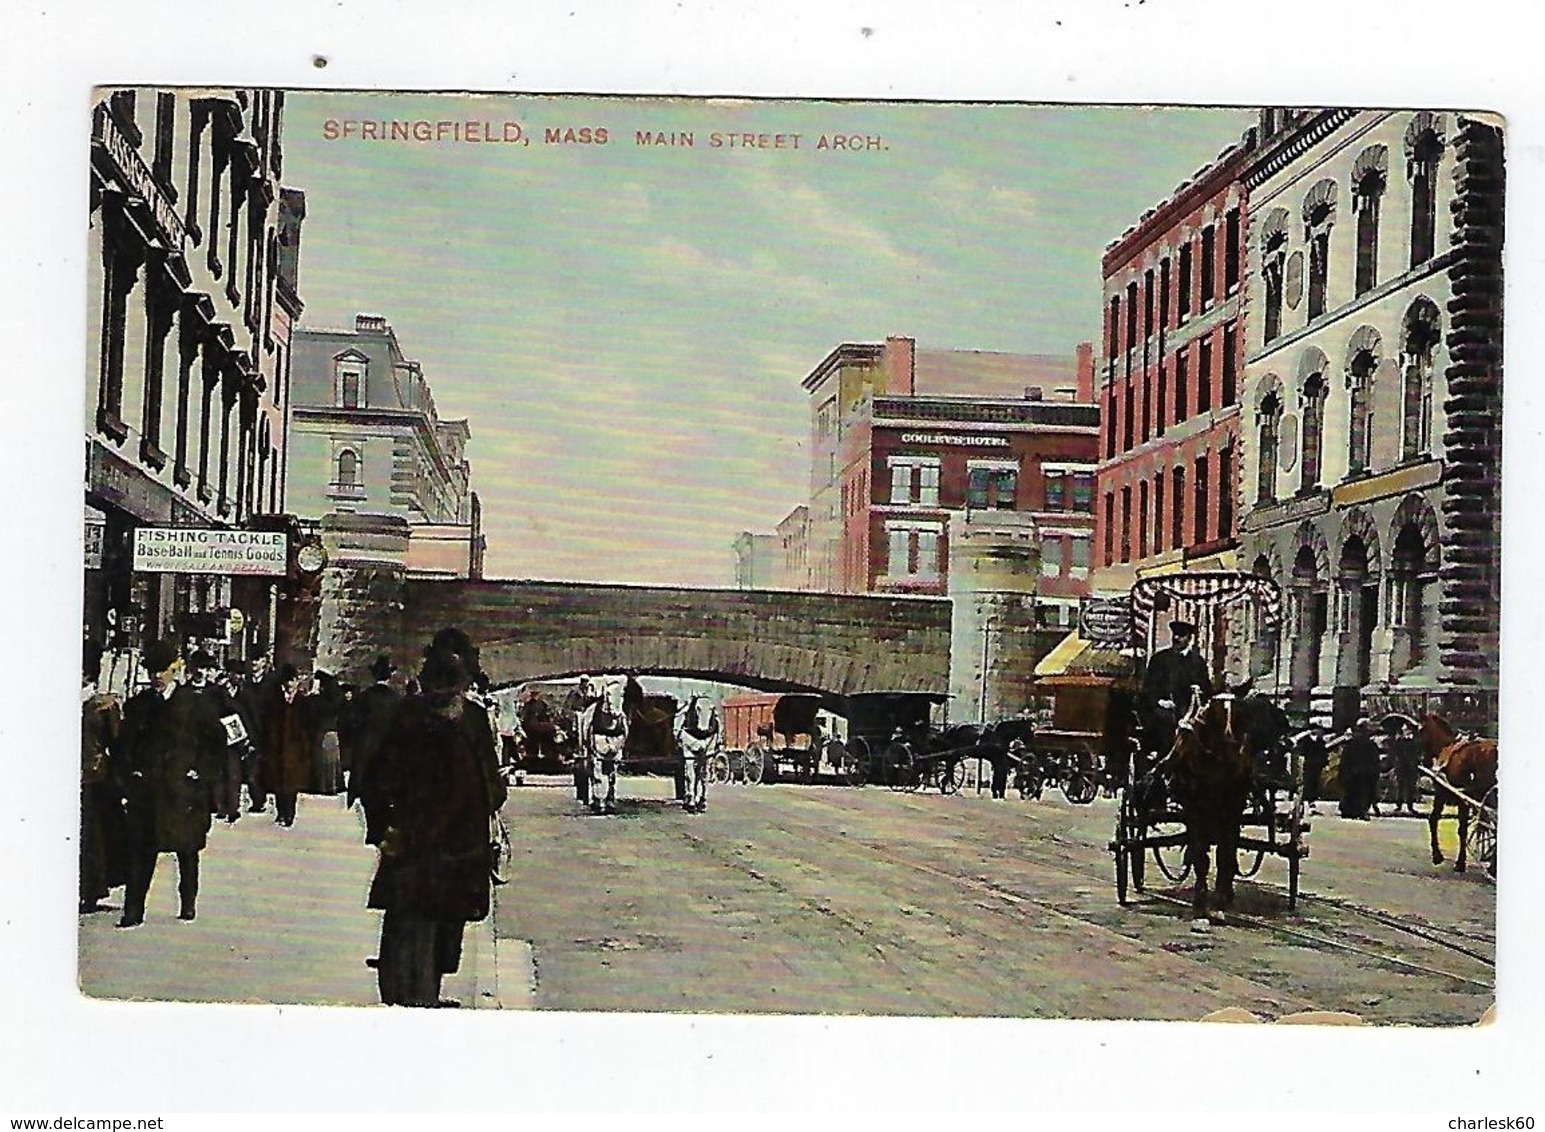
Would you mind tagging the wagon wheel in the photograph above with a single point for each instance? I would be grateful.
(1483, 834)
(1122, 854)
(754, 765)
(1031, 784)
(898, 765)
(855, 762)
(1080, 785)
(1136, 828)
(1295, 847)
(1128, 848)
(1266, 809)
(952, 776)
(719, 769)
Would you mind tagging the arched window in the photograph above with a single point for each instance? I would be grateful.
(348, 468)
(1274, 240)
(1369, 177)
(1319, 216)
(1421, 334)
(1270, 425)
(1424, 148)
(1313, 404)
(1360, 384)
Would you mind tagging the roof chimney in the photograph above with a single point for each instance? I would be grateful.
(1033, 393)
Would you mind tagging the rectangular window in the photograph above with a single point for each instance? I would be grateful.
(1147, 304)
(1226, 492)
(1201, 500)
(1158, 408)
(1083, 492)
(1131, 324)
(1181, 377)
(166, 115)
(1126, 418)
(1163, 295)
(1056, 496)
(1230, 370)
(928, 484)
(1204, 376)
(1110, 421)
(1177, 530)
(1231, 252)
(1113, 346)
(928, 553)
(897, 560)
(1110, 527)
(991, 488)
(1209, 264)
(1051, 556)
(1078, 557)
(1158, 513)
(1142, 519)
(1184, 302)
(1126, 524)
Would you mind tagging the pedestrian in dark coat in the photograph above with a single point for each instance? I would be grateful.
(439, 779)
(371, 717)
(101, 866)
(225, 785)
(171, 748)
(256, 700)
(287, 762)
(1359, 772)
(1406, 750)
(1003, 758)
(1313, 756)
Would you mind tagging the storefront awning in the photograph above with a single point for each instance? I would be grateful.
(1078, 661)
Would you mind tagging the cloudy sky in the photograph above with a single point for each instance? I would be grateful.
(626, 327)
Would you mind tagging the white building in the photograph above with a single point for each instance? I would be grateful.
(1372, 401)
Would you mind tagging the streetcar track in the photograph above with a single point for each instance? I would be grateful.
(1080, 873)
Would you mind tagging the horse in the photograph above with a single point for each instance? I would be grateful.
(608, 734)
(1211, 770)
(1464, 762)
(699, 731)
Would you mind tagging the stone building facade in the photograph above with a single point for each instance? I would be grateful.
(192, 295)
(366, 438)
(1369, 487)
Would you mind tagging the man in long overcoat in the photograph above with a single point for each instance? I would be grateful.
(1359, 772)
(256, 701)
(101, 865)
(371, 714)
(171, 748)
(1167, 684)
(287, 762)
(440, 782)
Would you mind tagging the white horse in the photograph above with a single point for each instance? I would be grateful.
(606, 727)
(699, 734)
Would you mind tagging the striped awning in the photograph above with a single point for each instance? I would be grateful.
(1191, 592)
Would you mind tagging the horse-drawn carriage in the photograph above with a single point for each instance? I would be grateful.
(1220, 782)
(784, 736)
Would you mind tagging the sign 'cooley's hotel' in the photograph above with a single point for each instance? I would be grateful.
(184, 550)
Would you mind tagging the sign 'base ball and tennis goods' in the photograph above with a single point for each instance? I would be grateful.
(192, 550)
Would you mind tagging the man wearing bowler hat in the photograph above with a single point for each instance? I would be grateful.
(1167, 685)
(171, 747)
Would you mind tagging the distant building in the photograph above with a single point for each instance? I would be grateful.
(365, 437)
(757, 561)
(903, 438)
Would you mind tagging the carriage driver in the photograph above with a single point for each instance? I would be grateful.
(1167, 684)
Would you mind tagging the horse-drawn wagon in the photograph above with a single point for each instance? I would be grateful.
(1219, 782)
(785, 736)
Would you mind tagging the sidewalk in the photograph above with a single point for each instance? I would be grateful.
(281, 919)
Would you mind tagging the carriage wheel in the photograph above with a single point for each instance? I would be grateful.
(1034, 785)
(719, 769)
(754, 766)
(1122, 858)
(857, 762)
(898, 767)
(1080, 788)
(1483, 834)
(954, 777)
(1174, 861)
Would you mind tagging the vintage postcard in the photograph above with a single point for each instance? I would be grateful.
(808, 557)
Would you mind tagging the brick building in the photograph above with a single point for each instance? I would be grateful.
(903, 438)
(1169, 385)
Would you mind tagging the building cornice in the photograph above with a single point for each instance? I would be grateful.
(847, 354)
(1294, 143)
(1225, 170)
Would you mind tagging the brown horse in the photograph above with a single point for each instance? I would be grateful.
(1211, 768)
(1467, 764)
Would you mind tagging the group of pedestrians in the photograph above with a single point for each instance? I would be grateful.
(158, 768)
(1361, 768)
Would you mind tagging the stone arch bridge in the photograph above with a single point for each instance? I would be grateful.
(527, 630)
